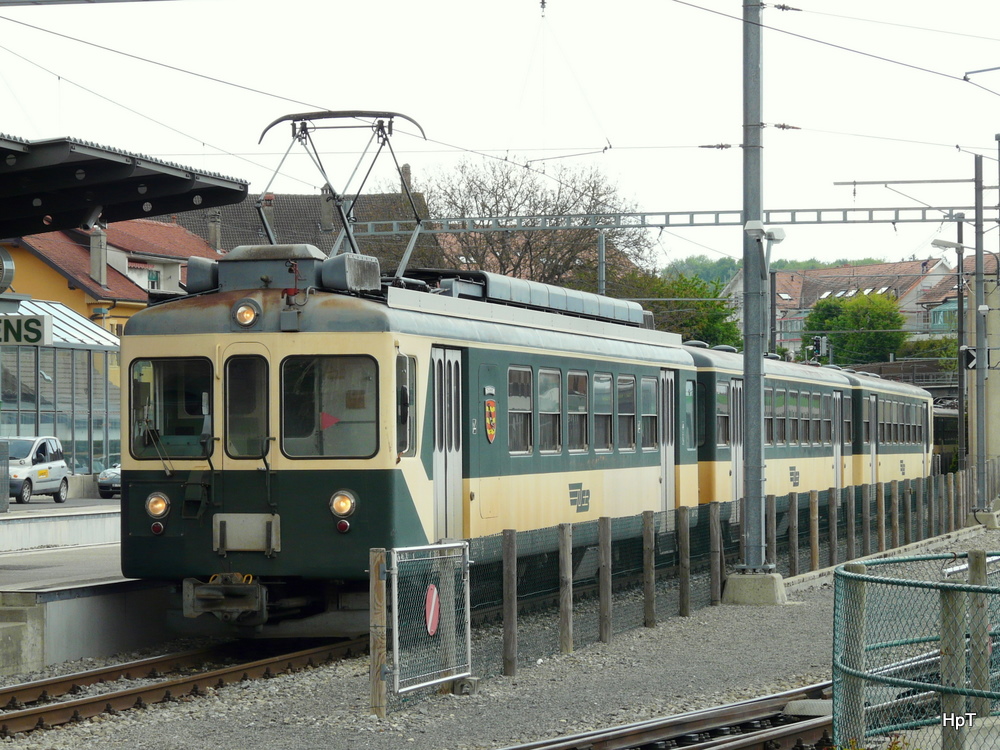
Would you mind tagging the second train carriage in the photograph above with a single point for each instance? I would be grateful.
(297, 410)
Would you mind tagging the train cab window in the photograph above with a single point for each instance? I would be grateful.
(549, 411)
(170, 408)
(626, 412)
(793, 417)
(247, 434)
(577, 410)
(406, 419)
(780, 414)
(650, 427)
(603, 411)
(519, 409)
(722, 413)
(329, 407)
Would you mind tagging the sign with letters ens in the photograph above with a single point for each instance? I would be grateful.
(26, 330)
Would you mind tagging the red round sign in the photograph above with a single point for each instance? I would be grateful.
(432, 609)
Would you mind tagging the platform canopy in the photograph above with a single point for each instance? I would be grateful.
(64, 183)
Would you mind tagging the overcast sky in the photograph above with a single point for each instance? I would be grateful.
(875, 89)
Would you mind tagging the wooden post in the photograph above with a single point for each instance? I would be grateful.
(793, 534)
(770, 530)
(853, 657)
(880, 515)
(684, 555)
(921, 504)
(649, 568)
(509, 602)
(813, 529)
(953, 664)
(942, 509)
(894, 513)
(376, 632)
(833, 505)
(866, 520)
(952, 503)
(908, 512)
(566, 588)
(851, 531)
(604, 583)
(979, 633)
(931, 508)
(717, 563)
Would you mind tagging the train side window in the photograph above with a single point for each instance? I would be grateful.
(827, 419)
(866, 415)
(881, 417)
(626, 412)
(603, 411)
(780, 414)
(650, 428)
(722, 413)
(805, 435)
(694, 418)
(769, 416)
(247, 433)
(549, 411)
(577, 410)
(817, 418)
(793, 417)
(406, 418)
(848, 421)
(519, 409)
(329, 406)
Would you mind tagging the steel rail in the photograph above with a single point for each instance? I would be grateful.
(47, 715)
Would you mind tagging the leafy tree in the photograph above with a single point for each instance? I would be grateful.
(689, 306)
(945, 349)
(503, 188)
(820, 320)
(869, 329)
(712, 270)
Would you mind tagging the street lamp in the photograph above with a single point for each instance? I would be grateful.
(982, 354)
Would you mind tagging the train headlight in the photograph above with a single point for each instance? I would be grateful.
(157, 505)
(343, 503)
(245, 314)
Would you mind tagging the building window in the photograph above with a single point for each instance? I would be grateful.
(154, 280)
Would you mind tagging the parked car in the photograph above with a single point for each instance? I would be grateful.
(37, 467)
(109, 481)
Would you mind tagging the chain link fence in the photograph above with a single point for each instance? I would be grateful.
(915, 657)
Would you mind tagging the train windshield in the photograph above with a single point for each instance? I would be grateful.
(170, 407)
(329, 407)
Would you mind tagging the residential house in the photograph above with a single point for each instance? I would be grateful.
(106, 274)
(797, 292)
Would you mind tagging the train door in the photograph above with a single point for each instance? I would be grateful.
(837, 437)
(668, 438)
(245, 419)
(446, 379)
(873, 423)
(736, 438)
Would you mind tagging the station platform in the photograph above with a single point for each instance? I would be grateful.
(62, 594)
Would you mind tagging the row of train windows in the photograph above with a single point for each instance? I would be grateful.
(804, 418)
(590, 404)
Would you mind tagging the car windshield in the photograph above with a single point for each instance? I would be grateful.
(20, 448)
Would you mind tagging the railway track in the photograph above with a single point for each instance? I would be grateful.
(47, 703)
(757, 724)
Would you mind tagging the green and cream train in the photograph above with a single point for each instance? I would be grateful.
(295, 410)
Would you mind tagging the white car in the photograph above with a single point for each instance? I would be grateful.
(37, 467)
(109, 481)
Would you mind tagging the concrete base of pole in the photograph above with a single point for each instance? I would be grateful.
(988, 518)
(755, 588)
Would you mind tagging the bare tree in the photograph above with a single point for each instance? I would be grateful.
(497, 188)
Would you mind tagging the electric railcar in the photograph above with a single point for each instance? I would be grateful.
(295, 410)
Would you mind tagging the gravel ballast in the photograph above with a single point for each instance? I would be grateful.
(716, 656)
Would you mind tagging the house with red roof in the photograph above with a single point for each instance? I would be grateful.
(106, 274)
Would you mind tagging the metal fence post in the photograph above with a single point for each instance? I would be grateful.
(376, 632)
(684, 560)
(509, 602)
(649, 569)
(604, 578)
(851, 731)
(566, 588)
